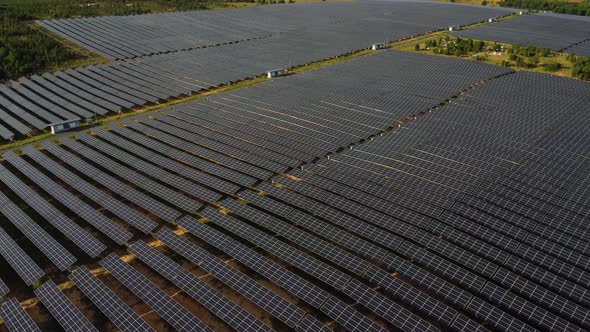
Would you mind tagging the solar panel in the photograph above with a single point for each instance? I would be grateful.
(346, 316)
(14, 123)
(37, 235)
(98, 220)
(212, 181)
(28, 106)
(128, 82)
(133, 195)
(462, 323)
(295, 257)
(227, 129)
(193, 189)
(310, 324)
(26, 117)
(6, 133)
(266, 299)
(202, 139)
(62, 309)
(108, 302)
(99, 105)
(170, 310)
(119, 97)
(75, 233)
(26, 268)
(3, 289)
(16, 318)
(133, 176)
(306, 240)
(62, 89)
(233, 141)
(121, 210)
(228, 311)
(200, 163)
(191, 151)
(317, 226)
(346, 221)
(296, 285)
(51, 108)
(54, 101)
(406, 294)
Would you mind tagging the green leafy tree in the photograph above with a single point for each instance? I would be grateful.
(581, 69)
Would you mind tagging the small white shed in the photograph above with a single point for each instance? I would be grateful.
(276, 72)
(58, 127)
(377, 46)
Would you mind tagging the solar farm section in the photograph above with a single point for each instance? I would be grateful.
(393, 192)
(165, 56)
(564, 33)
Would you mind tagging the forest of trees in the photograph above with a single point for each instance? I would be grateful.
(25, 49)
(557, 6)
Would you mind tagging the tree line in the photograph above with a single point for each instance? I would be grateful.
(556, 6)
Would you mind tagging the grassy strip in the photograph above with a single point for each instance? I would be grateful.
(503, 59)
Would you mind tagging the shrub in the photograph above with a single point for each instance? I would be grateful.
(552, 66)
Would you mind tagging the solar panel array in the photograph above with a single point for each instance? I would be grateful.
(109, 303)
(170, 310)
(567, 33)
(18, 259)
(225, 309)
(480, 195)
(65, 312)
(16, 318)
(344, 198)
(288, 313)
(303, 118)
(173, 161)
(139, 35)
(269, 37)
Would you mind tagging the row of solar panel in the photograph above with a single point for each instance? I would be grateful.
(172, 162)
(469, 203)
(139, 35)
(441, 228)
(30, 105)
(35, 103)
(70, 318)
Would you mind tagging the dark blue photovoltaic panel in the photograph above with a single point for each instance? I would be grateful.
(16, 318)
